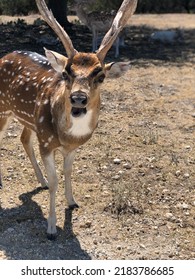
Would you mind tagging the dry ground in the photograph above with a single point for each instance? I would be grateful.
(139, 207)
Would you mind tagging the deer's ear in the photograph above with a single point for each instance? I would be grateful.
(57, 61)
(116, 70)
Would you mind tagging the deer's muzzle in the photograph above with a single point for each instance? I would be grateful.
(79, 102)
(78, 99)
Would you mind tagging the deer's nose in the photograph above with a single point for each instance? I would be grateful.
(78, 99)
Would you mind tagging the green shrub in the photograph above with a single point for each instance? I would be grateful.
(24, 7)
(148, 6)
(17, 7)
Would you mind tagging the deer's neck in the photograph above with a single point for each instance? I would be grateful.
(71, 129)
(82, 15)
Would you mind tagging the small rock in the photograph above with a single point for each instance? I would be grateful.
(171, 255)
(183, 206)
(151, 159)
(87, 196)
(186, 175)
(116, 177)
(11, 135)
(127, 166)
(117, 161)
(142, 246)
(177, 173)
(10, 169)
(86, 224)
(141, 172)
(10, 229)
(95, 242)
(104, 167)
(118, 247)
(165, 191)
(169, 216)
(105, 193)
(193, 115)
(187, 147)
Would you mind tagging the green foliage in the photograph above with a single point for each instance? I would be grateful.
(23, 7)
(146, 6)
(166, 6)
(105, 5)
(17, 7)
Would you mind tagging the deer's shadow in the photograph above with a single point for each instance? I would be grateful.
(23, 233)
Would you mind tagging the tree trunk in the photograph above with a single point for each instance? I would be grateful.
(59, 9)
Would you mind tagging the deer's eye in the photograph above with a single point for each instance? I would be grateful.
(100, 79)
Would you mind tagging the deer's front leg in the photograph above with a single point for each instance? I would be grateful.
(68, 161)
(26, 139)
(49, 163)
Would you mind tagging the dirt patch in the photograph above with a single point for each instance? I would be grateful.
(135, 179)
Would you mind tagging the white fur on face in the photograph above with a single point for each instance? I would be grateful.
(81, 125)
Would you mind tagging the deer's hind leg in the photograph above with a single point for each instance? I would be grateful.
(27, 141)
(4, 123)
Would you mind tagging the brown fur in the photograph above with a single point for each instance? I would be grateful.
(39, 95)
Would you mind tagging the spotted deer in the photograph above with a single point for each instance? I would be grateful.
(97, 22)
(57, 98)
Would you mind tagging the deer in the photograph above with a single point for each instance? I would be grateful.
(97, 22)
(57, 100)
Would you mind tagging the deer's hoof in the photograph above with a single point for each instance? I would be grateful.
(51, 236)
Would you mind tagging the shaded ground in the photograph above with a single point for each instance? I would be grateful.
(139, 207)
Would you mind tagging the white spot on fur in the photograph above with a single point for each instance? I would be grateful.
(81, 125)
(46, 101)
(41, 119)
(46, 145)
(50, 139)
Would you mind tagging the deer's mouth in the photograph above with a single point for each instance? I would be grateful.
(77, 112)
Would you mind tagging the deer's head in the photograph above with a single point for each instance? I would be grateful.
(85, 72)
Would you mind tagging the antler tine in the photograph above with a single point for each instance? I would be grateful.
(57, 28)
(126, 10)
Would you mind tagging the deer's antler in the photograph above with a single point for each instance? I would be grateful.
(126, 10)
(57, 28)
